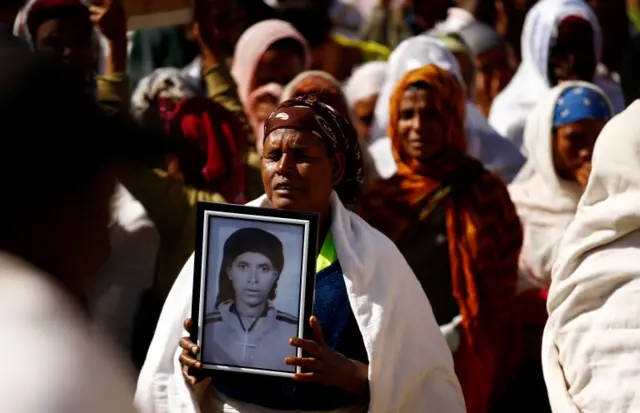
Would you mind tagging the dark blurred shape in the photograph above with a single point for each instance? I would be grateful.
(55, 136)
(629, 71)
(427, 13)
(614, 23)
(8, 11)
(310, 17)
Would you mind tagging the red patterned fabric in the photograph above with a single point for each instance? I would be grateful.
(215, 133)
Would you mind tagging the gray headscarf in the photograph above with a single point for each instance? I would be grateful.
(480, 37)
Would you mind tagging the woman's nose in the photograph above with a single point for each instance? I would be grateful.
(585, 154)
(253, 276)
(285, 163)
(416, 123)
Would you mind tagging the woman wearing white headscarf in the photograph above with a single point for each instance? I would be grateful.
(362, 90)
(540, 37)
(497, 154)
(591, 344)
(547, 190)
(559, 138)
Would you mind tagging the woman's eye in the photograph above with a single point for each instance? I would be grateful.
(265, 269)
(406, 114)
(242, 266)
(273, 156)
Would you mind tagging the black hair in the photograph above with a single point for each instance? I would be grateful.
(419, 85)
(288, 43)
(257, 11)
(310, 17)
(574, 35)
(248, 240)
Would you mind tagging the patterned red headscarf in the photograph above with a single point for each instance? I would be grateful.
(215, 133)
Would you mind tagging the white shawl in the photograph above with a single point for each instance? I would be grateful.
(530, 83)
(546, 204)
(591, 343)
(411, 367)
(483, 143)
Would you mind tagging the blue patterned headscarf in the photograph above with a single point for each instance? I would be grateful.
(579, 103)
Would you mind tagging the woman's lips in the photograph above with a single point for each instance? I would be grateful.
(285, 188)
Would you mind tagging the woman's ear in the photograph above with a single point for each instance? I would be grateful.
(339, 163)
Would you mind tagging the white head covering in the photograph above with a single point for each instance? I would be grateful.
(167, 82)
(366, 80)
(512, 106)
(591, 343)
(546, 203)
(483, 142)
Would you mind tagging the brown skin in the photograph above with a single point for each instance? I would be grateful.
(69, 237)
(493, 74)
(299, 174)
(278, 66)
(264, 106)
(420, 125)
(510, 15)
(363, 112)
(573, 148)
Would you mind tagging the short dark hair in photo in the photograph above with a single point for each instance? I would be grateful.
(248, 240)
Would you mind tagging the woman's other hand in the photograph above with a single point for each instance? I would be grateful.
(187, 358)
(326, 366)
(582, 175)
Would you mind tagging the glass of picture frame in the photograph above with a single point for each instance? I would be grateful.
(254, 281)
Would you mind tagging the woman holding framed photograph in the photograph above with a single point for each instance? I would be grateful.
(367, 351)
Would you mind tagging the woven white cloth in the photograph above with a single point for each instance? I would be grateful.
(591, 343)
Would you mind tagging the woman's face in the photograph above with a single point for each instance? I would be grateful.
(279, 66)
(253, 276)
(420, 124)
(264, 106)
(573, 146)
(67, 39)
(297, 172)
(573, 56)
(364, 111)
(493, 74)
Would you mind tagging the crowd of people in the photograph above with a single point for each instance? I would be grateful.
(467, 159)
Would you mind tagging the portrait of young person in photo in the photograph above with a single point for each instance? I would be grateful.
(246, 329)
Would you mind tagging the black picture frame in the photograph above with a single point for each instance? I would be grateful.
(258, 355)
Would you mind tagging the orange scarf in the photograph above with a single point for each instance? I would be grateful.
(483, 230)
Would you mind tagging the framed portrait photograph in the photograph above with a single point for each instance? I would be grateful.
(254, 280)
